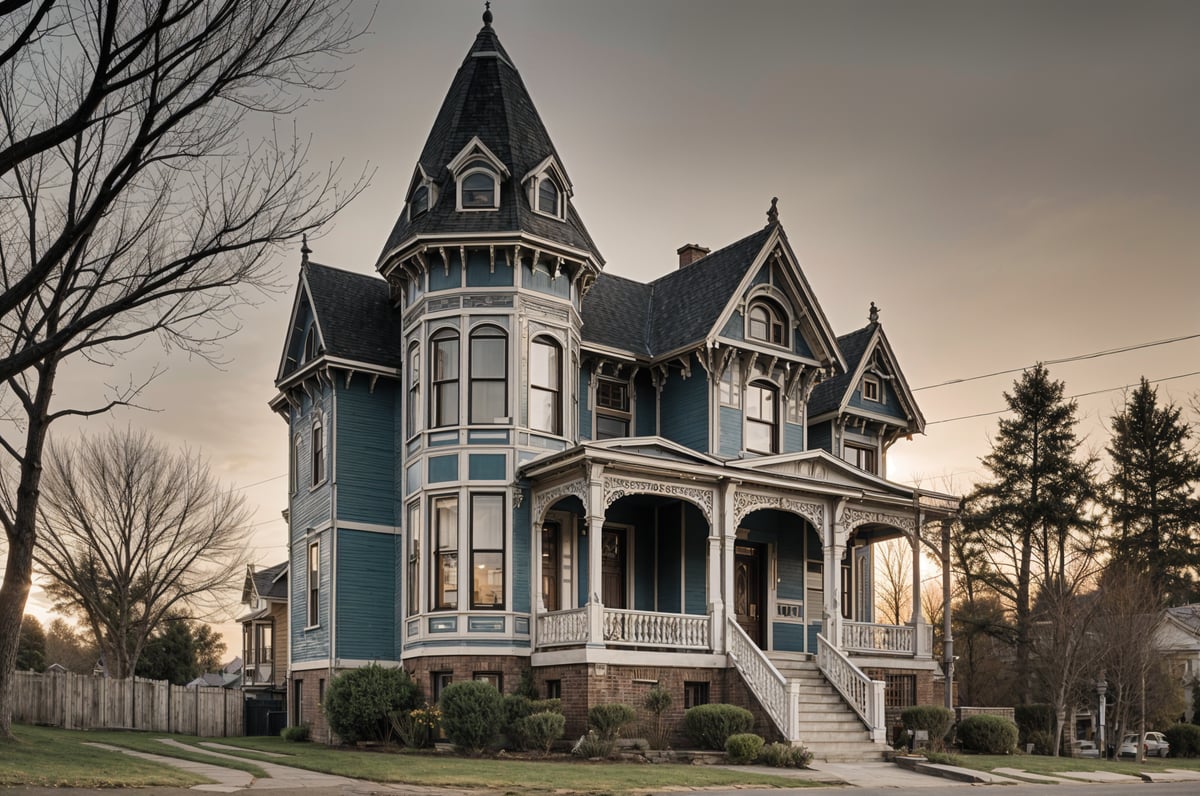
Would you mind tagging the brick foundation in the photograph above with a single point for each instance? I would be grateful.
(466, 667)
(310, 702)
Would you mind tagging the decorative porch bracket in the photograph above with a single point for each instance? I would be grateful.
(864, 694)
(779, 698)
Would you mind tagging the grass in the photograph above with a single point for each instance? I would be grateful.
(52, 757)
(55, 758)
(1044, 764)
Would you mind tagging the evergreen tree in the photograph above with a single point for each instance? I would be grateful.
(31, 648)
(1151, 495)
(180, 651)
(1031, 521)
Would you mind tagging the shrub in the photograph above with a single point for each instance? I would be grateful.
(934, 719)
(418, 727)
(516, 708)
(546, 706)
(1042, 740)
(781, 755)
(472, 714)
(1184, 740)
(743, 748)
(592, 745)
(989, 735)
(298, 733)
(900, 737)
(658, 727)
(1033, 718)
(540, 730)
(711, 725)
(358, 702)
(607, 720)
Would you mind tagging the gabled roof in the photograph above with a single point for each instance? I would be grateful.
(860, 348)
(271, 583)
(488, 99)
(354, 314)
(820, 465)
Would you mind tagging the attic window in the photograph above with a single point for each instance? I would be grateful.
(419, 203)
(765, 323)
(310, 344)
(870, 389)
(549, 197)
(478, 189)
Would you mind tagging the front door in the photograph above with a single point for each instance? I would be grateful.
(749, 597)
(612, 568)
(551, 566)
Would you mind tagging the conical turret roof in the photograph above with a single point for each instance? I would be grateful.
(487, 99)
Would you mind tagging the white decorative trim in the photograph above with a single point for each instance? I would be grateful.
(544, 499)
(852, 518)
(616, 488)
(746, 502)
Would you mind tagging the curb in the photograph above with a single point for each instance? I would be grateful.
(921, 766)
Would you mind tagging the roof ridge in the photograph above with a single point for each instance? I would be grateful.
(711, 255)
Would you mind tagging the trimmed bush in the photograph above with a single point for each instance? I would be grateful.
(516, 708)
(743, 748)
(358, 702)
(1042, 740)
(296, 734)
(988, 735)
(540, 730)
(781, 755)
(1033, 718)
(546, 706)
(711, 725)
(1184, 740)
(607, 720)
(934, 719)
(472, 714)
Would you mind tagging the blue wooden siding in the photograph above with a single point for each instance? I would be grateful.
(789, 550)
(521, 540)
(821, 436)
(889, 407)
(295, 340)
(800, 345)
(540, 281)
(643, 569)
(310, 506)
(670, 568)
(695, 549)
(645, 412)
(366, 594)
(443, 468)
(441, 277)
(365, 456)
(481, 274)
(412, 478)
(793, 438)
(487, 467)
(585, 413)
(788, 637)
(685, 410)
(312, 644)
(731, 431)
(763, 276)
(735, 327)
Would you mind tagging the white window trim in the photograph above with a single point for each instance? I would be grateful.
(318, 425)
(495, 190)
(776, 308)
(878, 384)
(535, 186)
(431, 193)
(308, 606)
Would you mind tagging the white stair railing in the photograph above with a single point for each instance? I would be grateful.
(778, 697)
(864, 694)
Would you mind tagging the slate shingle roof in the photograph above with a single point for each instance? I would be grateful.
(487, 98)
(356, 315)
(269, 584)
(1188, 615)
(676, 309)
(827, 396)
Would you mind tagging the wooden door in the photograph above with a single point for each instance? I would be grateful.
(612, 567)
(749, 596)
(551, 566)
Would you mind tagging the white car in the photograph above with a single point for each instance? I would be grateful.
(1084, 749)
(1156, 745)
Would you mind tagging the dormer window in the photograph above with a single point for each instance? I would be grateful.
(310, 344)
(419, 204)
(548, 188)
(870, 389)
(478, 190)
(549, 198)
(765, 323)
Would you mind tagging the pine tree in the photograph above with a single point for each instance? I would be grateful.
(1151, 495)
(1031, 522)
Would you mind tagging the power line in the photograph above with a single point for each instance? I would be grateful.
(1077, 358)
(1077, 395)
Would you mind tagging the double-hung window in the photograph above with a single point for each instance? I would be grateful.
(488, 388)
(765, 324)
(445, 552)
(318, 451)
(487, 552)
(414, 558)
(762, 417)
(612, 409)
(413, 420)
(314, 584)
(443, 408)
(545, 386)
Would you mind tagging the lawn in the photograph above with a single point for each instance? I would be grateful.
(1043, 764)
(57, 758)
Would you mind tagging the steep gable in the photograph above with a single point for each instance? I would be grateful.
(867, 350)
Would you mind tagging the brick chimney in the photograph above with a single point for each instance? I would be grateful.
(690, 253)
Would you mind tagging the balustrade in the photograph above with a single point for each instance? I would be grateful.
(650, 629)
(561, 628)
(864, 694)
(771, 688)
(878, 639)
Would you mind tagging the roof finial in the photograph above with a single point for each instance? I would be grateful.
(487, 13)
(773, 213)
(304, 250)
(873, 315)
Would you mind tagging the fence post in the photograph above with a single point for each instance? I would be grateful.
(196, 702)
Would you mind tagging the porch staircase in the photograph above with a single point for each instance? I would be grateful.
(827, 725)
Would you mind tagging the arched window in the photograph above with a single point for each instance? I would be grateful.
(443, 405)
(413, 420)
(545, 385)
(310, 343)
(765, 323)
(419, 203)
(478, 190)
(318, 451)
(549, 197)
(488, 402)
(762, 417)
(294, 465)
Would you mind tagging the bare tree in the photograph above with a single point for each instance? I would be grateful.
(129, 209)
(129, 531)
(893, 586)
(1065, 649)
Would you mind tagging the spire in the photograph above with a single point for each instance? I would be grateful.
(487, 14)
(773, 212)
(873, 315)
(304, 250)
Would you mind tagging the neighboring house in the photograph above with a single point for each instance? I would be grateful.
(230, 676)
(265, 628)
(505, 461)
(1177, 637)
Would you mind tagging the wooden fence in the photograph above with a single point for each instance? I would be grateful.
(87, 702)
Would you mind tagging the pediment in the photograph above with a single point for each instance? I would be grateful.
(653, 447)
(818, 465)
(1171, 635)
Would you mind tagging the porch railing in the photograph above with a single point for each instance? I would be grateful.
(878, 639)
(864, 694)
(562, 628)
(780, 699)
(650, 629)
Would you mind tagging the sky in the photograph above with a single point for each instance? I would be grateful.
(1010, 182)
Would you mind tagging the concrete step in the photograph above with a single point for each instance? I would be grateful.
(861, 752)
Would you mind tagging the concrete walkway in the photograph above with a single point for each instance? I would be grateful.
(225, 780)
(858, 775)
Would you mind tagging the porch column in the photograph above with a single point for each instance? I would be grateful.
(535, 548)
(834, 549)
(720, 564)
(595, 529)
(921, 632)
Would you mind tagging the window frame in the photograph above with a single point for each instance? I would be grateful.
(486, 331)
(777, 321)
(559, 197)
(412, 592)
(493, 606)
(875, 386)
(413, 210)
(312, 347)
(318, 470)
(470, 172)
(294, 464)
(412, 422)
(440, 556)
(773, 390)
(863, 455)
(557, 423)
(437, 386)
(313, 585)
(614, 412)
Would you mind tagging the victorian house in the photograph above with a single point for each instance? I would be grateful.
(506, 462)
